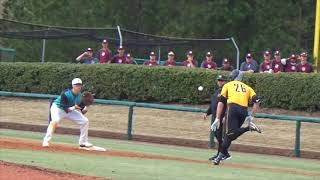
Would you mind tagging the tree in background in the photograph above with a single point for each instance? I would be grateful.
(255, 25)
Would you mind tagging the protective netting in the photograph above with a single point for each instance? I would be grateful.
(64, 44)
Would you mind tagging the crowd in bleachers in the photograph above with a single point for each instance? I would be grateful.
(275, 64)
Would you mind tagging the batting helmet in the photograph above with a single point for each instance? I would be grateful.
(236, 75)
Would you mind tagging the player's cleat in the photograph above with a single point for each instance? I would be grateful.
(87, 144)
(213, 157)
(220, 158)
(45, 144)
(226, 157)
(254, 127)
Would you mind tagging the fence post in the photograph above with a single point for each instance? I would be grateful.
(120, 36)
(129, 130)
(238, 52)
(211, 140)
(297, 142)
(43, 50)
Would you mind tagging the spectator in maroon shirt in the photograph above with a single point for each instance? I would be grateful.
(170, 61)
(226, 66)
(304, 66)
(209, 63)
(291, 64)
(119, 58)
(190, 62)
(276, 63)
(104, 54)
(265, 66)
(129, 59)
(152, 62)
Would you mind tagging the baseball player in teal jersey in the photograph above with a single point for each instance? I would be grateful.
(66, 107)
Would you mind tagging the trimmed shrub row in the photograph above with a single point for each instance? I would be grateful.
(157, 84)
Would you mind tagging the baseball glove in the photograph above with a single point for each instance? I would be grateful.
(87, 99)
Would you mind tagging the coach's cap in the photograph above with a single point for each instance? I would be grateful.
(76, 81)
(170, 53)
(209, 54)
(105, 41)
(120, 48)
(236, 75)
(89, 49)
(190, 53)
(152, 53)
(277, 53)
(222, 78)
(304, 54)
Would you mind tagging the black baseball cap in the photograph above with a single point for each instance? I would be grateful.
(190, 53)
(276, 53)
(249, 55)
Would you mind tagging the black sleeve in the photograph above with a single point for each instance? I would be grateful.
(222, 99)
(209, 111)
(64, 102)
(256, 99)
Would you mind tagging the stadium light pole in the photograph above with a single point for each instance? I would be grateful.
(317, 38)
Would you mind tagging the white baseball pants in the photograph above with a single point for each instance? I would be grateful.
(58, 114)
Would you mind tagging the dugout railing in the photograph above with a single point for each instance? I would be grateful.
(131, 105)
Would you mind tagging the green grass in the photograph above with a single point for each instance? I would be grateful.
(121, 168)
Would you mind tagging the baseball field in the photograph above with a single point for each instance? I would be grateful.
(126, 160)
(22, 156)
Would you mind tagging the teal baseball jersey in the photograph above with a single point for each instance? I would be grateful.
(67, 99)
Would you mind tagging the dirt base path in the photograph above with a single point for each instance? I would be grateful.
(162, 140)
(23, 172)
(13, 143)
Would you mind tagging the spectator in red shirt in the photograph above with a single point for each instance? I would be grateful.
(276, 63)
(119, 58)
(304, 66)
(226, 66)
(209, 63)
(190, 62)
(152, 62)
(104, 54)
(265, 66)
(129, 59)
(290, 64)
(170, 61)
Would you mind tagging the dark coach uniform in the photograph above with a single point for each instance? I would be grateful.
(212, 111)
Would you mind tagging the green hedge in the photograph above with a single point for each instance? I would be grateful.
(160, 84)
